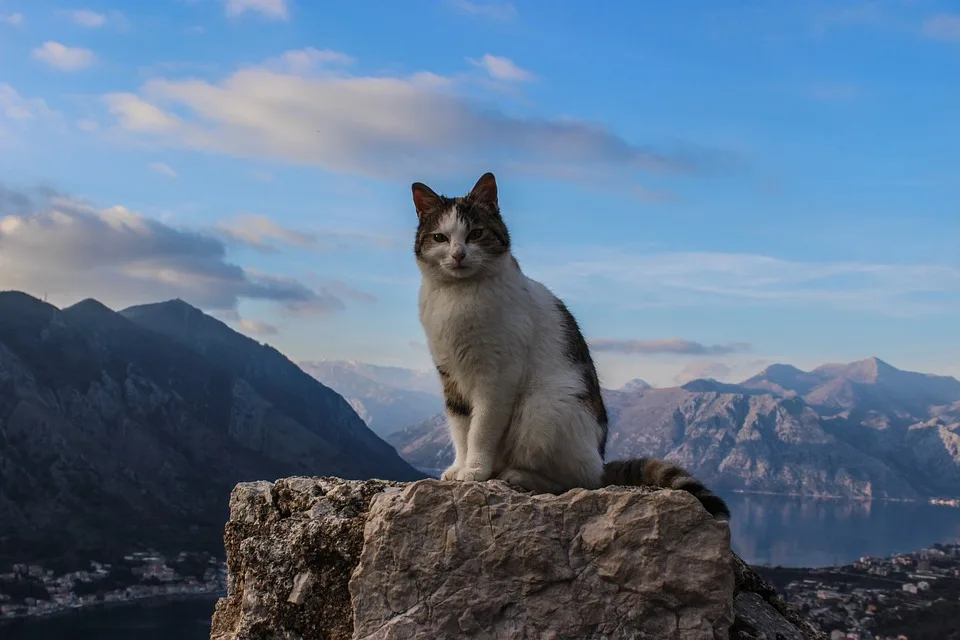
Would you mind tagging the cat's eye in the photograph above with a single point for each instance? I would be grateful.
(439, 237)
(474, 234)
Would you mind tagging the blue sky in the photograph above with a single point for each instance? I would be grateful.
(710, 186)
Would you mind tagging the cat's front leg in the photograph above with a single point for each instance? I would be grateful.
(488, 422)
(459, 425)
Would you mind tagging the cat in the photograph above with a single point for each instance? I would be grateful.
(522, 396)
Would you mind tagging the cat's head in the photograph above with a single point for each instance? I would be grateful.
(463, 237)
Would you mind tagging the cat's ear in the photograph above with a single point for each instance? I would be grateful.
(425, 199)
(485, 191)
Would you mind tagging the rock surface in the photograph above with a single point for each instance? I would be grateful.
(313, 558)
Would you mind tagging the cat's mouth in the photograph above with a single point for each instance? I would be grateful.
(460, 270)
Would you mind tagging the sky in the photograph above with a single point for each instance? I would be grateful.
(711, 187)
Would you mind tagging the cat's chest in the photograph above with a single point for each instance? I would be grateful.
(453, 316)
(468, 328)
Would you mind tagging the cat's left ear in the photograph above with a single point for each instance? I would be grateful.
(425, 199)
(485, 191)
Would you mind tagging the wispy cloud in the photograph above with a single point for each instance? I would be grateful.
(675, 346)
(380, 126)
(15, 19)
(257, 327)
(258, 231)
(263, 234)
(702, 279)
(944, 26)
(88, 18)
(122, 257)
(163, 169)
(273, 9)
(14, 106)
(697, 370)
(260, 175)
(63, 57)
(305, 61)
(500, 68)
(491, 10)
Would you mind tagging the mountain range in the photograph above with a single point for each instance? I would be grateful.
(130, 428)
(387, 398)
(864, 429)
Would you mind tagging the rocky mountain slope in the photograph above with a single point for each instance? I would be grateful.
(864, 430)
(387, 398)
(120, 430)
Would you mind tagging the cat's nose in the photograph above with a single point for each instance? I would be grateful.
(458, 255)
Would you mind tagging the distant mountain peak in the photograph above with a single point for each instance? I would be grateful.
(173, 305)
(780, 369)
(88, 305)
(709, 385)
(868, 370)
(637, 384)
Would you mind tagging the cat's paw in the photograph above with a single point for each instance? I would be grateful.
(515, 477)
(474, 474)
(451, 472)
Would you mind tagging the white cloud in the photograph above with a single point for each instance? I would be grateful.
(372, 125)
(135, 114)
(274, 9)
(675, 346)
(702, 279)
(14, 106)
(261, 233)
(305, 61)
(63, 57)
(257, 327)
(697, 370)
(88, 125)
(945, 26)
(121, 258)
(15, 19)
(163, 169)
(256, 231)
(88, 18)
(492, 10)
(500, 68)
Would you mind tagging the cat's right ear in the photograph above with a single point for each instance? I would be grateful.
(425, 200)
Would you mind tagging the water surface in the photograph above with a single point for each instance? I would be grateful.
(765, 529)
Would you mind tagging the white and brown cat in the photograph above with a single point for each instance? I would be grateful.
(522, 395)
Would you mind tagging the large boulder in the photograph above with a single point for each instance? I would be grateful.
(313, 558)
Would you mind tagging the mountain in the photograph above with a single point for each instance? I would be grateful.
(865, 429)
(387, 398)
(903, 418)
(116, 435)
(862, 385)
(425, 445)
(636, 385)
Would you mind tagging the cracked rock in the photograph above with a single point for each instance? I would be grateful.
(319, 558)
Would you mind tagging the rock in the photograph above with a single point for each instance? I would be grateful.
(318, 558)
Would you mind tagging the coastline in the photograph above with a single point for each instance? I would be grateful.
(81, 609)
(942, 502)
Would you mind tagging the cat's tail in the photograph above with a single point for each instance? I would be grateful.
(640, 472)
